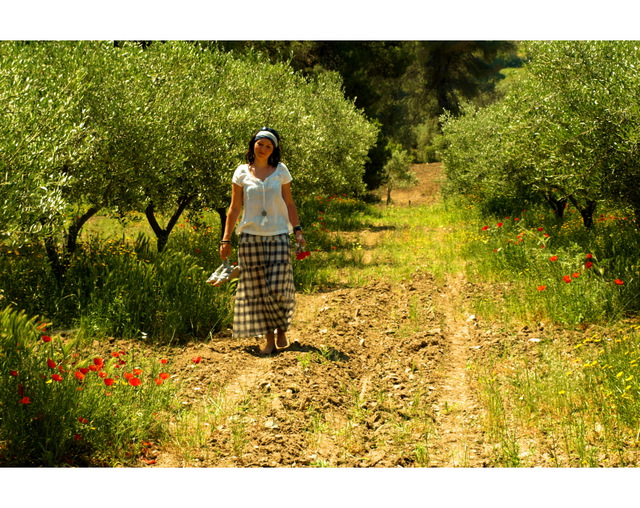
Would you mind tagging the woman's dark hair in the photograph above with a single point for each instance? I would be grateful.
(274, 158)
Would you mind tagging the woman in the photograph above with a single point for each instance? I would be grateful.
(265, 299)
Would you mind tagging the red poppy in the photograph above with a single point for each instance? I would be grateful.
(540, 229)
(51, 364)
(196, 359)
(485, 228)
(499, 224)
(98, 362)
(102, 374)
(301, 255)
(79, 375)
(115, 354)
(24, 400)
(164, 375)
(619, 282)
(553, 258)
(567, 278)
(542, 288)
(77, 437)
(83, 420)
(137, 372)
(158, 381)
(46, 338)
(56, 377)
(109, 381)
(576, 275)
(163, 361)
(589, 256)
(14, 373)
(84, 370)
(127, 375)
(588, 264)
(94, 368)
(135, 381)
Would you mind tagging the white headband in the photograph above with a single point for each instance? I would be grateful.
(267, 134)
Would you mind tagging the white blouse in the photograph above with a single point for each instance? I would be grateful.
(264, 211)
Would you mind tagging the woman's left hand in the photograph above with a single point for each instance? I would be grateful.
(300, 239)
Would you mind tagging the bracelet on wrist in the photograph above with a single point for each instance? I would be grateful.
(222, 242)
(297, 228)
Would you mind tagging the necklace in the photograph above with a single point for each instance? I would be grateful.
(265, 219)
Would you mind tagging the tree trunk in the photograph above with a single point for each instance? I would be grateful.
(162, 235)
(54, 259)
(71, 243)
(557, 205)
(586, 211)
(60, 261)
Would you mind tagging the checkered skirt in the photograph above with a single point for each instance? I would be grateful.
(265, 299)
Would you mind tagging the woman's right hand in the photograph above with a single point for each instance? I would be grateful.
(225, 251)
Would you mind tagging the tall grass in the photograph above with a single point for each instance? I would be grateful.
(163, 296)
(124, 288)
(574, 405)
(561, 272)
(568, 397)
(61, 404)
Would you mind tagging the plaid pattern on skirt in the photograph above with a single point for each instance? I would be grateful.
(265, 299)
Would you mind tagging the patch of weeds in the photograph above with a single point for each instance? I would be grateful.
(319, 463)
(239, 439)
(421, 451)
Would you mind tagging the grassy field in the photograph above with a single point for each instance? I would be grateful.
(557, 382)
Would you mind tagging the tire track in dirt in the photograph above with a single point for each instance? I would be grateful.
(460, 439)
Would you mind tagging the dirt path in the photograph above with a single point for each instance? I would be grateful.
(375, 376)
(457, 411)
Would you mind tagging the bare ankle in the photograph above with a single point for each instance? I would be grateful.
(282, 338)
(271, 344)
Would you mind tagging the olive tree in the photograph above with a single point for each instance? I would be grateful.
(397, 170)
(156, 129)
(580, 104)
(567, 129)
